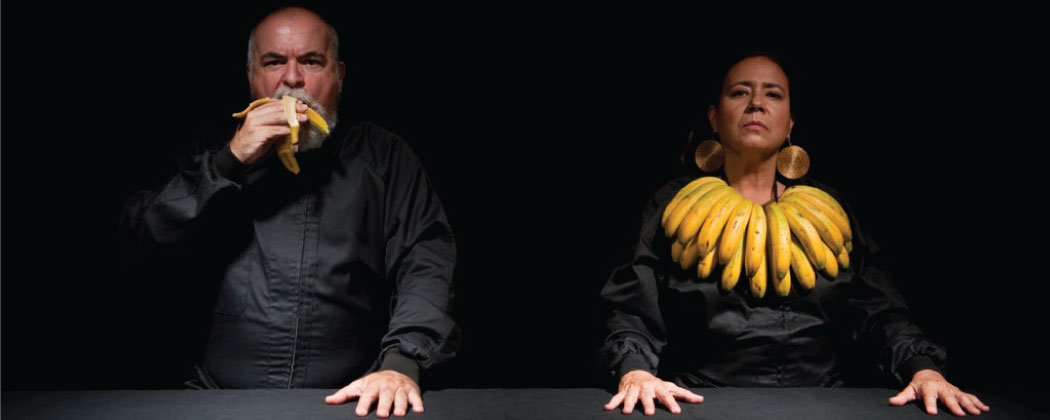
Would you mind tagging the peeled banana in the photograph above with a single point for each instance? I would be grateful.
(284, 147)
(806, 230)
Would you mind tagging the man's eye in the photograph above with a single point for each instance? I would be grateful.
(270, 63)
(774, 95)
(314, 63)
(738, 92)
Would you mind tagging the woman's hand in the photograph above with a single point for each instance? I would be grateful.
(639, 384)
(386, 386)
(931, 386)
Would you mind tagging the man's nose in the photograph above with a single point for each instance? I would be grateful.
(292, 76)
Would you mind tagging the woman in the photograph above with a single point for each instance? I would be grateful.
(665, 319)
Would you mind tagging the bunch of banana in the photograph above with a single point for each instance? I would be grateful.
(284, 147)
(805, 231)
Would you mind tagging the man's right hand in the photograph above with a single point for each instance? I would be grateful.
(261, 128)
(639, 384)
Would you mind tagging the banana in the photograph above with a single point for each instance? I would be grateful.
(716, 221)
(779, 239)
(758, 281)
(684, 207)
(707, 265)
(849, 246)
(830, 233)
(831, 262)
(676, 250)
(688, 188)
(826, 203)
(807, 235)
(284, 146)
(733, 234)
(807, 278)
(755, 242)
(316, 119)
(253, 105)
(703, 210)
(782, 286)
(843, 259)
(689, 256)
(731, 271)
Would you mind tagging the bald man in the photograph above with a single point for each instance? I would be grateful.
(339, 274)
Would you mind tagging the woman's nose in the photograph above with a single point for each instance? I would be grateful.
(755, 106)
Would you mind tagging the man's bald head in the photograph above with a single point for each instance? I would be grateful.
(296, 50)
(292, 13)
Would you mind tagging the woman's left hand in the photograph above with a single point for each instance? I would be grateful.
(931, 386)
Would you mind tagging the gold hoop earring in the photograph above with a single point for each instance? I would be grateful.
(792, 161)
(710, 156)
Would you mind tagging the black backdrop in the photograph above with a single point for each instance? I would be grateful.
(544, 132)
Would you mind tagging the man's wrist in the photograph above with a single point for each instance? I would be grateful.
(397, 362)
(228, 166)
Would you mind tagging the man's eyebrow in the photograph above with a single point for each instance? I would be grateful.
(272, 55)
(314, 55)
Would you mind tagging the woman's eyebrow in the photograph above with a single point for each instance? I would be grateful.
(766, 85)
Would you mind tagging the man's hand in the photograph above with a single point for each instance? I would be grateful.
(641, 384)
(262, 126)
(386, 385)
(931, 386)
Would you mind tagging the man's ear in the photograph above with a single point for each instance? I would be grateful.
(342, 75)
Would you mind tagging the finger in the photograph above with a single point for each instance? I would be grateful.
(979, 404)
(929, 395)
(267, 115)
(615, 400)
(343, 395)
(668, 401)
(966, 401)
(904, 397)
(949, 400)
(365, 403)
(416, 401)
(647, 400)
(686, 395)
(400, 402)
(386, 399)
(630, 400)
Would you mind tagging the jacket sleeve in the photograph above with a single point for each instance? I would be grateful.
(884, 330)
(168, 216)
(420, 260)
(635, 331)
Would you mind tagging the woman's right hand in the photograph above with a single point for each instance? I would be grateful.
(639, 384)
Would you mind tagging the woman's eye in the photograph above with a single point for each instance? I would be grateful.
(738, 93)
(774, 95)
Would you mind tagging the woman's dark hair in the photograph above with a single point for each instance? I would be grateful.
(714, 89)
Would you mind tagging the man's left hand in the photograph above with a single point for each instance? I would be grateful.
(930, 385)
(387, 387)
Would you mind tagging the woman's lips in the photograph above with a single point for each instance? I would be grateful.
(755, 126)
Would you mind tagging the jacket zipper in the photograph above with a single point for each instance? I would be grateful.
(299, 291)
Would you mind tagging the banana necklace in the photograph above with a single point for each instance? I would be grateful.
(804, 230)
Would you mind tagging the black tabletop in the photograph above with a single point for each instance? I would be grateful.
(721, 403)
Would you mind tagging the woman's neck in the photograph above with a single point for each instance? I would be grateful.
(753, 178)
